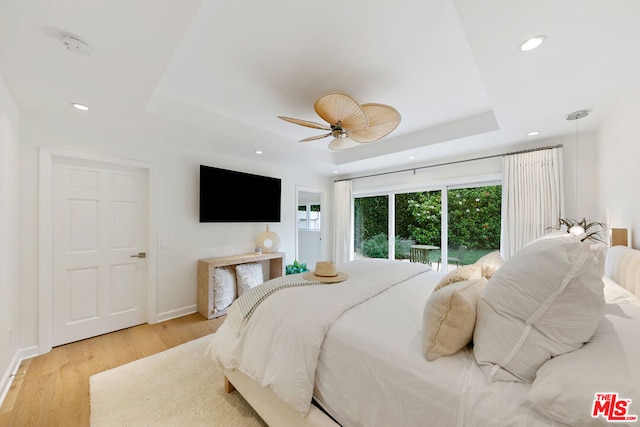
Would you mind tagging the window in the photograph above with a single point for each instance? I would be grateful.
(418, 224)
(371, 227)
(462, 222)
(473, 229)
(309, 217)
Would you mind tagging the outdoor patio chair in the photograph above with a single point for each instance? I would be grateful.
(457, 259)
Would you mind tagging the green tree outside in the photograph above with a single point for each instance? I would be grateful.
(475, 217)
(371, 218)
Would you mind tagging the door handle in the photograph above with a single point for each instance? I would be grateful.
(140, 255)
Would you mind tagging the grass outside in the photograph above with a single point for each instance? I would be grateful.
(471, 256)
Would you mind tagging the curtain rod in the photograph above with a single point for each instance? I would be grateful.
(452, 162)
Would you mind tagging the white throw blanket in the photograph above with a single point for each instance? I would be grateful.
(242, 309)
(282, 341)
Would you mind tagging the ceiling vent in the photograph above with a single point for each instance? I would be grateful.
(75, 45)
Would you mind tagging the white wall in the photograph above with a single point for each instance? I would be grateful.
(619, 153)
(175, 154)
(580, 174)
(431, 177)
(9, 243)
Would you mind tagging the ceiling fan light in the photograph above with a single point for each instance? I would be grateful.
(339, 144)
(351, 124)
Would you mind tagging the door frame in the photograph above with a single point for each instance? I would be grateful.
(47, 157)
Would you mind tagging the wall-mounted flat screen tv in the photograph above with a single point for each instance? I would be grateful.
(231, 196)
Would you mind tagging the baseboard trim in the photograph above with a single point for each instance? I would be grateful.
(178, 312)
(12, 370)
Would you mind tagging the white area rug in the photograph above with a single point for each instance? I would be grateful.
(177, 387)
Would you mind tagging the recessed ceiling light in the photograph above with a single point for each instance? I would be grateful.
(532, 43)
(534, 133)
(335, 171)
(258, 152)
(80, 107)
(411, 157)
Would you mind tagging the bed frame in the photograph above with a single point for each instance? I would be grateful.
(622, 265)
(271, 409)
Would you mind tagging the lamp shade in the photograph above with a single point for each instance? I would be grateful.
(268, 241)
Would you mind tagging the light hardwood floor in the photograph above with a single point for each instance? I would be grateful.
(53, 389)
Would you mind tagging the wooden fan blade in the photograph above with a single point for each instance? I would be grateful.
(383, 119)
(306, 123)
(339, 107)
(342, 144)
(313, 138)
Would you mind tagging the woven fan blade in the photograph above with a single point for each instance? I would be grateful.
(313, 138)
(306, 123)
(337, 107)
(383, 119)
(342, 144)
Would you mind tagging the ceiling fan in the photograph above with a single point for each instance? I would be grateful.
(350, 124)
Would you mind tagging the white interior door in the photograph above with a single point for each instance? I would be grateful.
(99, 237)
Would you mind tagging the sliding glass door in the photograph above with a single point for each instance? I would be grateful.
(448, 227)
(371, 227)
(418, 228)
(473, 223)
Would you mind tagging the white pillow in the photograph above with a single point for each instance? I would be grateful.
(460, 274)
(565, 387)
(490, 263)
(449, 318)
(545, 301)
(248, 276)
(224, 288)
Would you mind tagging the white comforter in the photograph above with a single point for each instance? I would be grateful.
(281, 344)
(360, 343)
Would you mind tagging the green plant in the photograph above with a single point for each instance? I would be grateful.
(296, 268)
(378, 247)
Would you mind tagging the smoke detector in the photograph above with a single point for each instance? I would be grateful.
(75, 44)
(577, 115)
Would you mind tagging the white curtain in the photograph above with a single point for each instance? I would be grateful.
(342, 237)
(532, 197)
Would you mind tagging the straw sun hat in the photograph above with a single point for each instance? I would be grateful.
(325, 272)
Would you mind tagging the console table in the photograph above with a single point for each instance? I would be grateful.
(206, 267)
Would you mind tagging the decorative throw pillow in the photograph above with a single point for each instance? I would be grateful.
(545, 301)
(490, 263)
(466, 272)
(248, 276)
(224, 288)
(449, 318)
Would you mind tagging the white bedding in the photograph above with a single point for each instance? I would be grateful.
(370, 365)
(280, 346)
(380, 344)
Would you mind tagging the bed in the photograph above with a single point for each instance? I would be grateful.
(355, 353)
